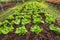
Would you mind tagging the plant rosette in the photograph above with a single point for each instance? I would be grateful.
(37, 19)
(21, 30)
(17, 21)
(5, 23)
(54, 28)
(11, 17)
(49, 18)
(18, 17)
(6, 30)
(36, 29)
(16, 12)
(25, 21)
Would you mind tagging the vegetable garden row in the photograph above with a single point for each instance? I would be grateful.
(30, 22)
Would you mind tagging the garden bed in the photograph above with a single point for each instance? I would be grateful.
(45, 35)
(30, 23)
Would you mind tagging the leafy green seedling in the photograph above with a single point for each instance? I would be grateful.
(37, 19)
(11, 28)
(21, 30)
(25, 21)
(36, 29)
(49, 18)
(16, 12)
(4, 23)
(54, 28)
(10, 17)
(27, 16)
(6, 30)
(17, 21)
(18, 17)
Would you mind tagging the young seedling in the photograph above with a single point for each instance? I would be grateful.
(36, 29)
(21, 30)
(17, 21)
(10, 17)
(4, 23)
(11, 28)
(27, 16)
(37, 19)
(25, 21)
(16, 12)
(54, 28)
(18, 17)
(49, 18)
(6, 30)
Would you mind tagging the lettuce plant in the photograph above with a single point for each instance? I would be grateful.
(4, 23)
(17, 21)
(36, 29)
(25, 21)
(10, 17)
(54, 28)
(49, 18)
(21, 30)
(37, 19)
(18, 17)
(27, 16)
(6, 30)
(16, 12)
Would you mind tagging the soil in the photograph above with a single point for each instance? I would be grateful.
(45, 35)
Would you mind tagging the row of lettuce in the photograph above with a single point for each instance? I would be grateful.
(29, 13)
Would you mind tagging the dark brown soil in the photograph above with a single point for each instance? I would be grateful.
(45, 35)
